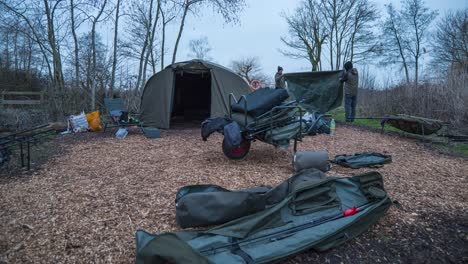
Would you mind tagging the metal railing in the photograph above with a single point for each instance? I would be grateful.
(21, 98)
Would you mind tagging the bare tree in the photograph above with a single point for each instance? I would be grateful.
(51, 36)
(94, 21)
(418, 17)
(394, 43)
(349, 24)
(404, 34)
(98, 75)
(168, 15)
(33, 32)
(227, 8)
(200, 48)
(141, 28)
(250, 69)
(114, 53)
(152, 33)
(450, 43)
(361, 43)
(342, 27)
(75, 42)
(307, 33)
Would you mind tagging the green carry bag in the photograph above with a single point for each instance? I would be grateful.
(204, 205)
(315, 215)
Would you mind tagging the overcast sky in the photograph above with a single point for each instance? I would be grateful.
(258, 34)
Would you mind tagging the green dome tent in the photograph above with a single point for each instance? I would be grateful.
(193, 90)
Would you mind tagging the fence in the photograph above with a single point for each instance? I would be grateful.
(21, 98)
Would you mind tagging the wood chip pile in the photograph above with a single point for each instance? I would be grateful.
(86, 205)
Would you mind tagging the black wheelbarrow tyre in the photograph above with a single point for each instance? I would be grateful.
(238, 153)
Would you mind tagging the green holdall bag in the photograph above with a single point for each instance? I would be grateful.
(316, 214)
(204, 205)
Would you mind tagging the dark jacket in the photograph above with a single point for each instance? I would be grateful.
(351, 80)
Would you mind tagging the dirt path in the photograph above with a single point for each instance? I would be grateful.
(85, 205)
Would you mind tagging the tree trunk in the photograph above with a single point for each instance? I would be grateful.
(36, 39)
(15, 50)
(150, 44)
(114, 57)
(76, 49)
(153, 63)
(143, 50)
(163, 41)
(7, 51)
(93, 47)
(417, 55)
(400, 49)
(181, 28)
(58, 76)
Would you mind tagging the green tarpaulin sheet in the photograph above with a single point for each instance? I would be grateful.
(316, 91)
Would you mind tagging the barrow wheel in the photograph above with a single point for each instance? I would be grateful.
(237, 153)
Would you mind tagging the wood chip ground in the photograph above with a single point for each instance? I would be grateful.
(85, 205)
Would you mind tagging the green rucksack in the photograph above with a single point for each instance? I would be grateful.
(314, 215)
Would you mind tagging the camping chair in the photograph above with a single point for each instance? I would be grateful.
(118, 117)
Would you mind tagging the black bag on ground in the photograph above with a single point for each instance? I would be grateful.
(309, 159)
(203, 205)
(232, 135)
(362, 160)
(211, 125)
(260, 101)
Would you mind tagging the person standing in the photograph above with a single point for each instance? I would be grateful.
(350, 77)
(279, 79)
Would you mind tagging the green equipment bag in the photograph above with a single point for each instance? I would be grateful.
(362, 160)
(414, 124)
(203, 205)
(316, 214)
(281, 136)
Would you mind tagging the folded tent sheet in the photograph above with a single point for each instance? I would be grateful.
(314, 215)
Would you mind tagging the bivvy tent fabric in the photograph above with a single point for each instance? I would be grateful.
(192, 89)
(317, 213)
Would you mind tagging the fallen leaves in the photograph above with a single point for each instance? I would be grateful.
(86, 204)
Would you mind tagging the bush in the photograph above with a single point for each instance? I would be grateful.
(446, 100)
(16, 119)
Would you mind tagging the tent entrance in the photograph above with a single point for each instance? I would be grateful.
(192, 96)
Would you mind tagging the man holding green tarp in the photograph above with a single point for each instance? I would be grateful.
(316, 91)
(350, 78)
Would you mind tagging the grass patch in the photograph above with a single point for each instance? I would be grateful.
(453, 148)
(461, 149)
(339, 116)
(458, 149)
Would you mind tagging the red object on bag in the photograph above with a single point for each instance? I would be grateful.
(350, 211)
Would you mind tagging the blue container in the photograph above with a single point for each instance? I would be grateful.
(152, 132)
(121, 133)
